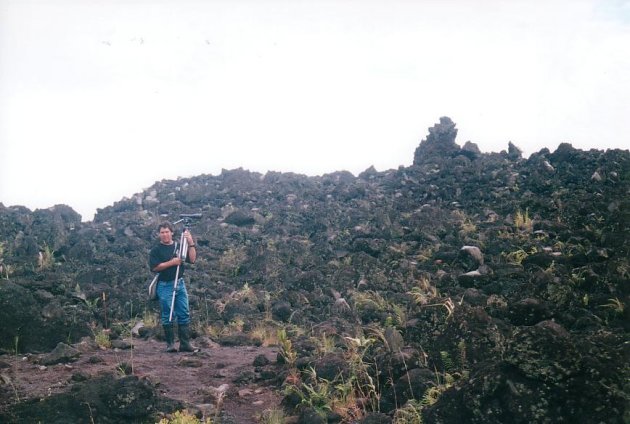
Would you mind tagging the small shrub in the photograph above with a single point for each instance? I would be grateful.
(516, 258)
(183, 417)
(272, 416)
(236, 325)
(7, 270)
(522, 221)
(467, 226)
(410, 413)
(369, 299)
(318, 395)
(325, 343)
(150, 319)
(286, 348)
(46, 258)
(215, 331)
(102, 339)
(267, 334)
(232, 260)
(423, 292)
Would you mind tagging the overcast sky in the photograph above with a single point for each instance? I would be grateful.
(100, 99)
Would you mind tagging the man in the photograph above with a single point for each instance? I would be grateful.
(164, 259)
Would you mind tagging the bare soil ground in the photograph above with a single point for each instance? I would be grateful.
(216, 379)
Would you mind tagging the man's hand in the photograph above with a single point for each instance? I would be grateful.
(170, 263)
(189, 237)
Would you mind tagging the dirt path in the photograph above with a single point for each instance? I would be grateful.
(224, 376)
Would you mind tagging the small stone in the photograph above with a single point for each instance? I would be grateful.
(261, 360)
(474, 252)
(61, 353)
(190, 362)
(121, 344)
(245, 392)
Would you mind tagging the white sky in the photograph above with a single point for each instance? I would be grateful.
(100, 99)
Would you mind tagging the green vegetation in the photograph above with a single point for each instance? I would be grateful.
(522, 221)
(232, 260)
(423, 292)
(410, 413)
(46, 258)
(101, 337)
(358, 392)
(466, 224)
(615, 305)
(266, 333)
(516, 257)
(183, 417)
(2, 265)
(272, 416)
(286, 348)
(5, 269)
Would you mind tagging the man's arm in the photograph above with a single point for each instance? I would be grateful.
(163, 265)
(192, 247)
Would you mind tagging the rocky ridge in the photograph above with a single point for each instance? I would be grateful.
(483, 288)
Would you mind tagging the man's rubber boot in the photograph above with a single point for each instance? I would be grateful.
(169, 336)
(184, 339)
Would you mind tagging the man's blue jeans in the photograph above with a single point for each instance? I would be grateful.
(181, 314)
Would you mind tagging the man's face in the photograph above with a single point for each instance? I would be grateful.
(166, 236)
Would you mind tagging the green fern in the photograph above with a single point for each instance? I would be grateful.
(431, 395)
(410, 413)
(449, 365)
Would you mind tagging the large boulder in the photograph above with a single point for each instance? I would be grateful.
(439, 143)
(544, 351)
(105, 399)
(36, 322)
